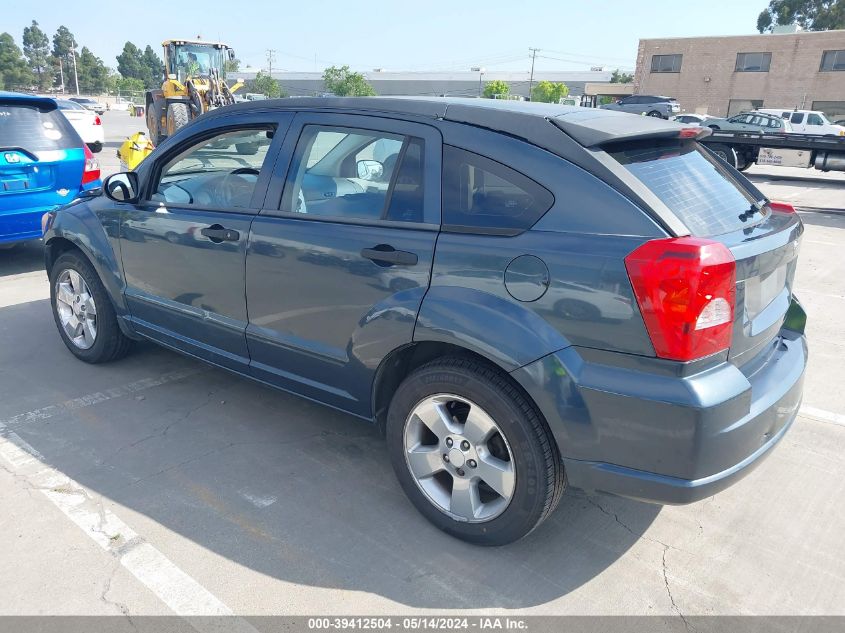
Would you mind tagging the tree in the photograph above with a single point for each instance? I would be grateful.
(93, 74)
(266, 85)
(549, 92)
(342, 82)
(619, 77)
(231, 65)
(495, 88)
(36, 49)
(64, 45)
(130, 62)
(14, 71)
(811, 15)
(153, 68)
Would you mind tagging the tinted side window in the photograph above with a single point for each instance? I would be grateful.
(814, 119)
(481, 194)
(797, 117)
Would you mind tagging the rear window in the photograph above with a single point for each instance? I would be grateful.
(34, 130)
(693, 184)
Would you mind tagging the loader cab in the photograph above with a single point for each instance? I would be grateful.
(194, 59)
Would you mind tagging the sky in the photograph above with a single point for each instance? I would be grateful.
(439, 35)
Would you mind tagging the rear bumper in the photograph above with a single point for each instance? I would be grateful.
(643, 433)
(21, 225)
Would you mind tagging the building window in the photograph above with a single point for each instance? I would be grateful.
(753, 62)
(666, 63)
(735, 106)
(833, 110)
(833, 60)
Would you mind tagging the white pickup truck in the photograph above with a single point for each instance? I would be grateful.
(807, 121)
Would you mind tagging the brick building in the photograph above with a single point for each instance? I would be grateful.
(725, 75)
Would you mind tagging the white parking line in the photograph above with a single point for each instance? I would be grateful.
(823, 416)
(176, 589)
(100, 396)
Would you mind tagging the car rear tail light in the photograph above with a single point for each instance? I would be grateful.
(92, 167)
(781, 207)
(685, 288)
(97, 121)
(689, 132)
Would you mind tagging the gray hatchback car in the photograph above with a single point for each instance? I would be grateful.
(521, 296)
(648, 105)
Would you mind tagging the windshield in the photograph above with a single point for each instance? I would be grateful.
(195, 59)
(691, 182)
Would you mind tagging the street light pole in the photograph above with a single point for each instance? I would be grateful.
(75, 76)
(480, 71)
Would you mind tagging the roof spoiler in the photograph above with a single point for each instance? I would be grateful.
(42, 103)
(592, 127)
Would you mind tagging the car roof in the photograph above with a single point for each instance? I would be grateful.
(529, 120)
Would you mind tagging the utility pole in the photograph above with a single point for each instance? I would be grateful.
(271, 57)
(75, 76)
(534, 52)
(62, 74)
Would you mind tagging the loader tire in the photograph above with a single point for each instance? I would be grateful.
(178, 116)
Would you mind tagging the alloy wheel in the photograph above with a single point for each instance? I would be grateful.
(459, 458)
(76, 309)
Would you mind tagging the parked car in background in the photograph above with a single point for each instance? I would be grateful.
(43, 164)
(808, 121)
(87, 123)
(689, 118)
(428, 265)
(89, 104)
(750, 122)
(839, 122)
(662, 107)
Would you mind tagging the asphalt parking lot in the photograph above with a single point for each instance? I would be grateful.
(158, 485)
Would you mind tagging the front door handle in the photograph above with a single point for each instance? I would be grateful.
(218, 234)
(386, 255)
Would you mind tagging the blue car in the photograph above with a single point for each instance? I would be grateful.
(43, 164)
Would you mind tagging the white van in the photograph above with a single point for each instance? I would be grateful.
(807, 121)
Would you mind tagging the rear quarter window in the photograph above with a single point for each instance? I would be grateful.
(35, 130)
(482, 195)
(692, 183)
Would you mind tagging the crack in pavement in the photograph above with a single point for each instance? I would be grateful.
(666, 547)
(120, 606)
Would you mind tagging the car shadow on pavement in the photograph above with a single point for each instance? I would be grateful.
(22, 258)
(277, 484)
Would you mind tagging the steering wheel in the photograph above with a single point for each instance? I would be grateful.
(230, 188)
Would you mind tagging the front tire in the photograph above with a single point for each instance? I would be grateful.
(83, 311)
(178, 116)
(655, 113)
(472, 453)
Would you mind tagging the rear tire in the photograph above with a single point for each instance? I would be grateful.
(655, 113)
(518, 443)
(154, 123)
(178, 116)
(96, 148)
(726, 153)
(109, 343)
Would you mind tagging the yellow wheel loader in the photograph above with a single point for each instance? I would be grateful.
(194, 83)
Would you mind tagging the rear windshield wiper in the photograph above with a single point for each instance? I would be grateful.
(755, 207)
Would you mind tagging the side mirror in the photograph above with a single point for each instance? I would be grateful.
(231, 54)
(370, 170)
(122, 187)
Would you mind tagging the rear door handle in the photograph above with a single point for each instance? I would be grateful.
(386, 254)
(217, 234)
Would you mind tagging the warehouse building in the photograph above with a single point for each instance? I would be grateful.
(725, 75)
(434, 84)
